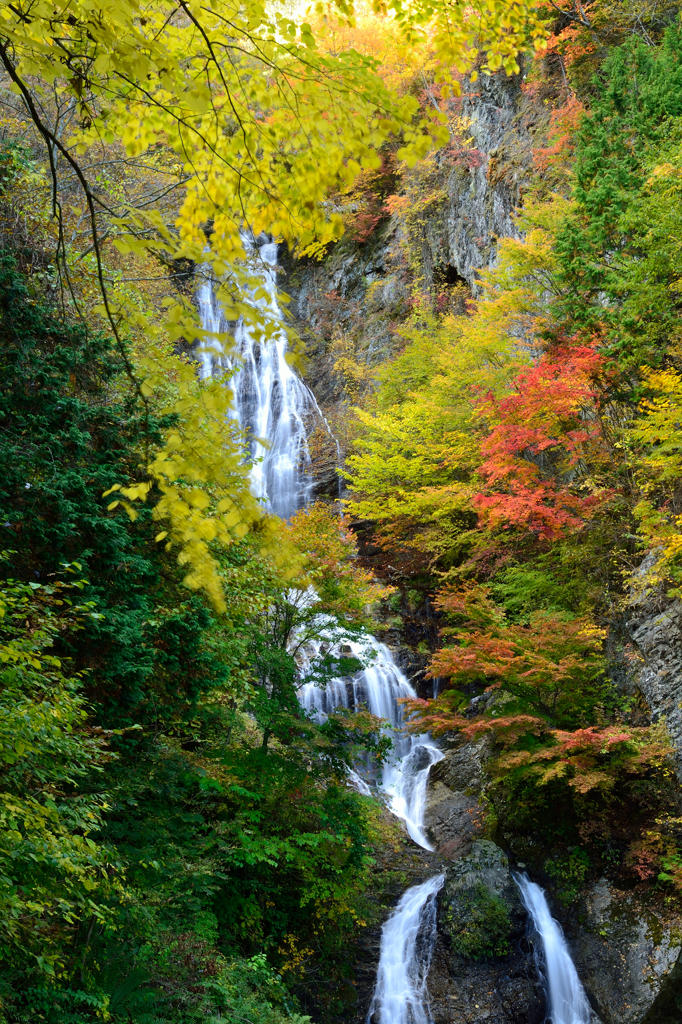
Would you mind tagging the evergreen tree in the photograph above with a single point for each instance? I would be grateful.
(69, 429)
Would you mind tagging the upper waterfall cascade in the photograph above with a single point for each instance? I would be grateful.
(271, 402)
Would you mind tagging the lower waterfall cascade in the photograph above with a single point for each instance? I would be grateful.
(567, 1002)
(408, 938)
(273, 405)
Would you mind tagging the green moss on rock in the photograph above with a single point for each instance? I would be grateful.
(480, 924)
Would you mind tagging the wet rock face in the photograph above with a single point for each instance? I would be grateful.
(627, 954)
(482, 188)
(362, 289)
(655, 629)
(483, 968)
(483, 196)
(452, 815)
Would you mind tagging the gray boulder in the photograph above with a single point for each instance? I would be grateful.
(452, 815)
(483, 969)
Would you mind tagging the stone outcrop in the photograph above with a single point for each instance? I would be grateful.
(484, 192)
(349, 303)
(654, 666)
(452, 815)
(627, 953)
(481, 191)
(483, 968)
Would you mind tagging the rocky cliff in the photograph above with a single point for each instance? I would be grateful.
(651, 656)
(347, 306)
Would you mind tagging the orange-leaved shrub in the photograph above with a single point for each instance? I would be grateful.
(563, 764)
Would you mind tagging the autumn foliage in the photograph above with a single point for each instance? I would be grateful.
(546, 436)
(525, 445)
(548, 669)
(556, 736)
(329, 552)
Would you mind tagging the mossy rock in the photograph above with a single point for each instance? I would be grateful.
(480, 908)
(479, 923)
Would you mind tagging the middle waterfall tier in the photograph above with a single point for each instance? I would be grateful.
(379, 688)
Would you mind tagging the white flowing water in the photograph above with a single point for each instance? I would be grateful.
(271, 402)
(567, 1000)
(379, 687)
(276, 410)
(407, 941)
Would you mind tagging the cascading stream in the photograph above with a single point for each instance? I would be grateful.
(407, 942)
(380, 687)
(566, 996)
(272, 404)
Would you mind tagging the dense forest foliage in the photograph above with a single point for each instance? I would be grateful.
(180, 840)
(521, 455)
(161, 786)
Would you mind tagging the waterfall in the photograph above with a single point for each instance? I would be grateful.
(274, 407)
(379, 687)
(567, 1000)
(271, 402)
(407, 941)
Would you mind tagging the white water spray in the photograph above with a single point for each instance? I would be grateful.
(567, 1000)
(379, 687)
(276, 409)
(407, 942)
(272, 404)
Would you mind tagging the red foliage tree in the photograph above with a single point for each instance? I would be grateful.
(546, 437)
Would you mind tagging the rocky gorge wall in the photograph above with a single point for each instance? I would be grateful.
(347, 306)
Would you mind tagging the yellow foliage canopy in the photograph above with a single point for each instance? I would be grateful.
(414, 467)
(261, 124)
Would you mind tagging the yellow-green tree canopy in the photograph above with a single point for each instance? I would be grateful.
(244, 126)
(260, 122)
